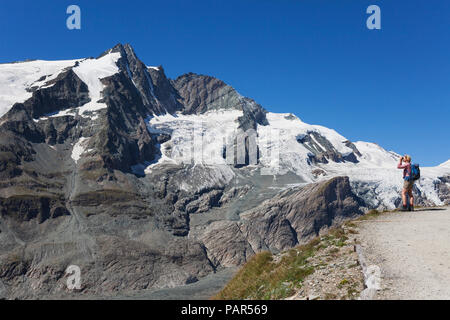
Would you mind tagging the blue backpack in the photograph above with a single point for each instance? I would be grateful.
(415, 172)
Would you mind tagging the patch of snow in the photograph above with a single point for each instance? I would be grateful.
(79, 149)
(281, 135)
(62, 113)
(90, 71)
(373, 154)
(16, 78)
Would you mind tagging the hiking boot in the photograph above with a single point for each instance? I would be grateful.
(404, 208)
(411, 208)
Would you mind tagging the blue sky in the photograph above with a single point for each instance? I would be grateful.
(314, 58)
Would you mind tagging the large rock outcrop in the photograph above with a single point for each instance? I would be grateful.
(293, 216)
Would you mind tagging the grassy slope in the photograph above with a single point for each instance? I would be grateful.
(266, 276)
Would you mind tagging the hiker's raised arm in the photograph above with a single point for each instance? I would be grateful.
(400, 164)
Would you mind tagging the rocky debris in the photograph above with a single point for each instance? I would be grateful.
(337, 274)
(119, 266)
(12, 267)
(131, 265)
(205, 202)
(233, 193)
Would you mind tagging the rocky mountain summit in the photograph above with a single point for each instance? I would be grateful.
(148, 182)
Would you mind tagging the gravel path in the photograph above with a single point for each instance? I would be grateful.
(413, 251)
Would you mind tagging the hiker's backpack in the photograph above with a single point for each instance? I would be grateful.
(415, 171)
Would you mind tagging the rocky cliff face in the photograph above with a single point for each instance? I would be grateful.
(90, 175)
(291, 217)
(200, 94)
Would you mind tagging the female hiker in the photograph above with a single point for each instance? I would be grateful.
(405, 164)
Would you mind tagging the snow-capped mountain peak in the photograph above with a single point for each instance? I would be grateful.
(147, 121)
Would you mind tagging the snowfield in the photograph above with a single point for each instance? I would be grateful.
(198, 139)
(202, 139)
(16, 78)
(90, 71)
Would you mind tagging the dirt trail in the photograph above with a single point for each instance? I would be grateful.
(413, 251)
